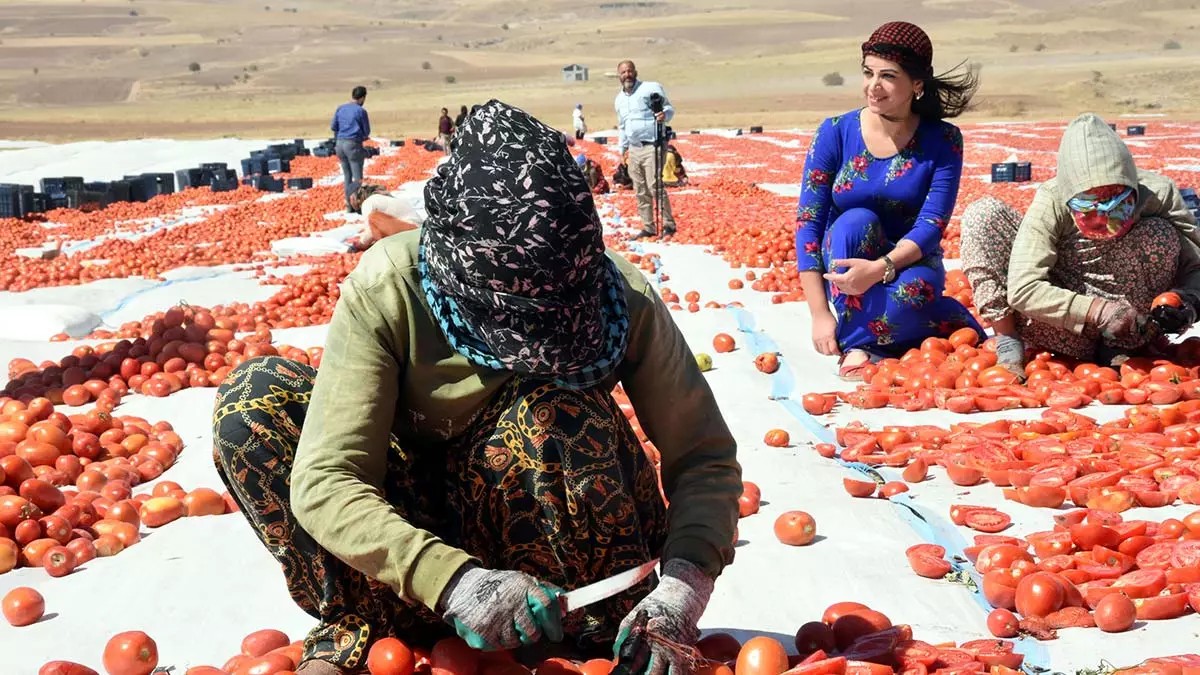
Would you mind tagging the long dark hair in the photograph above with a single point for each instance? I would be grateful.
(947, 95)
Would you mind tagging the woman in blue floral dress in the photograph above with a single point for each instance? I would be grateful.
(878, 189)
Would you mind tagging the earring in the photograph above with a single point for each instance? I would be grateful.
(920, 95)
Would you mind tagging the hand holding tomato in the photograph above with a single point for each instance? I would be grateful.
(859, 276)
(673, 608)
(824, 335)
(1174, 312)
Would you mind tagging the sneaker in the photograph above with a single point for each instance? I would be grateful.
(644, 234)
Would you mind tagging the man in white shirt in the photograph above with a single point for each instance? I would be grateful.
(638, 131)
(580, 124)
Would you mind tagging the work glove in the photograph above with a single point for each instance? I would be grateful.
(500, 609)
(1176, 320)
(1115, 321)
(673, 608)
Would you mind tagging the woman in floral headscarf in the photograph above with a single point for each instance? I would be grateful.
(1076, 275)
(459, 457)
(879, 186)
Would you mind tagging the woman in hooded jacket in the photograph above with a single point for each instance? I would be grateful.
(1077, 274)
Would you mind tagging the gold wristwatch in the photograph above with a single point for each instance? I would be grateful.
(889, 270)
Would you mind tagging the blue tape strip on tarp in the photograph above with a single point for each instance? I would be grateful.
(928, 526)
(163, 284)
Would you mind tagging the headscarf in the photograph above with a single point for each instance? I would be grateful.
(581, 159)
(904, 44)
(1105, 212)
(512, 257)
(360, 193)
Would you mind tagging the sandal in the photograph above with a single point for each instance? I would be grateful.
(853, 372)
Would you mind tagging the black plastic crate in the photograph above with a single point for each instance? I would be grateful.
(371, 151)
(299, 143)
(164, 183)
(267, 183)
(142, 187)
(694, 132)
(88, 200)
(1112, 126)
(214, 166)
(303, 152)
(756, 130)
(398, 144)
(10, 201)
(96, 185)
(281, 151)
(279, 165)
(1023, 173)
(58, 186)
(121, 190)
(322, 152)
(1004, 172)
(41, 202)
(188, 178)
(602, 140)
(253, 166)
(223, 185)
(21, 197)
(1136, 130)
(299, 183)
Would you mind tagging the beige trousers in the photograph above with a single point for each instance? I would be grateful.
(641, 172)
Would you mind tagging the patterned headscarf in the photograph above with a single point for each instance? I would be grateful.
(904, 44)
(1105, 212)
(512, 259)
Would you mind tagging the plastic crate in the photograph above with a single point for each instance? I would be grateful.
(24, 199)
(214, 166)
(188, 178)
(41, 203)
(602, 140)
(279, 165)
(88, 200)
(1136, 130)
(58, 186)
(756, 130)
(1004, 172)
(142, 187)
(121, 191)
(223, 185)
(322, 152)
(10, 201)
(299, 183)
(398, 144)
(1023, 172)
(164, 183)
(254, 166)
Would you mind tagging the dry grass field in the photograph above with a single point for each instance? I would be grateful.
(100, 69)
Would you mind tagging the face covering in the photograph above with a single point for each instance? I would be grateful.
(1106, 212)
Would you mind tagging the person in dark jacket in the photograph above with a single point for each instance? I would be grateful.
(350, 128)
(462, 117)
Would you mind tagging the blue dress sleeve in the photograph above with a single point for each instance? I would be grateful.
(935, 213)
(816, 195)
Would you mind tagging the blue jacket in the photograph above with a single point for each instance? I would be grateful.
(351, 122)
(635, 122)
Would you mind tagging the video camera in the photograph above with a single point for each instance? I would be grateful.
(656, 103)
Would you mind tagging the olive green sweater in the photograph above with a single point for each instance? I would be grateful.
(388, 368)
(1090, 155)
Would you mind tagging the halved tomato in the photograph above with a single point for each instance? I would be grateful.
(1161, 607)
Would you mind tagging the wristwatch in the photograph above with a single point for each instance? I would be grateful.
(889, 270)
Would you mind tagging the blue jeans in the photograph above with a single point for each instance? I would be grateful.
(351, 154)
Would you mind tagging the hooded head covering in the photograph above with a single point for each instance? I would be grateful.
(1097, 170)
(512, 257)
(904, 44)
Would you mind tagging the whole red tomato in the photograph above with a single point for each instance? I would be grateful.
(130, 653)
(390, 656)
(795, 528)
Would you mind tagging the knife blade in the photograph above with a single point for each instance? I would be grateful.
(606, 588)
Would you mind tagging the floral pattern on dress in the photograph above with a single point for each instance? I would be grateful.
(881, 327)
(854, 169)
(914, 293)
(902, 162)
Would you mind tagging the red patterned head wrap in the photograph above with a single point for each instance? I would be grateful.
(902, 43)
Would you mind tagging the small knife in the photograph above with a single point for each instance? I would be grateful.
(606, 588)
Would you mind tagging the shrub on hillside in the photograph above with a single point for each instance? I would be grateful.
(1171, 44)
(833, 80)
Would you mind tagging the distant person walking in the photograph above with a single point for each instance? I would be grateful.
(351, 127)
(445, 130)
(637, 125)
(580, 123)
(462, 117)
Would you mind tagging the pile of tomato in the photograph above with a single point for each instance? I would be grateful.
(67, 481)
(181, 348)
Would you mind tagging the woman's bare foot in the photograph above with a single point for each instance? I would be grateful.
(315, 667)
(851, 365)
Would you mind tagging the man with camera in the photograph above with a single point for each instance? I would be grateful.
(642, 113)
(350, 128)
